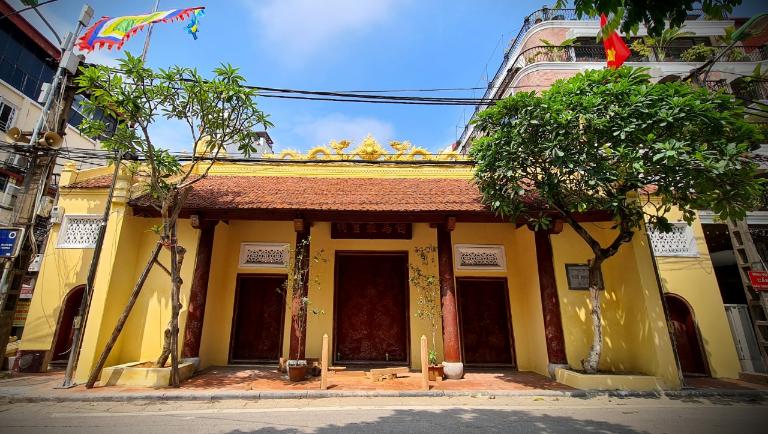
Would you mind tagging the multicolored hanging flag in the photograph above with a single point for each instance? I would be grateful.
(113, 32)
(193, 22)
(616, 51)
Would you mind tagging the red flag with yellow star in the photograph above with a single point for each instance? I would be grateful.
(616, 51)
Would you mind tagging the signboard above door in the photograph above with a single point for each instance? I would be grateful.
(371, 231)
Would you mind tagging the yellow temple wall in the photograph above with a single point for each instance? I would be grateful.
(694, 280)
(522, 282)
(61, 271)
(635, 334)
(142, 337)
(220, 302)
(322, 296)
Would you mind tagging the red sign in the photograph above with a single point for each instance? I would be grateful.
(759, 280)
(26, 292)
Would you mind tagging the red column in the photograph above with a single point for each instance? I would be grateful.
(550, 303)
(193, 330)
(451, 345)
(299, 324)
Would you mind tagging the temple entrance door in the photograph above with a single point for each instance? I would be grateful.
(686, 334)
(257, 325)
(484, 322)
(62, 343)
(371, 308)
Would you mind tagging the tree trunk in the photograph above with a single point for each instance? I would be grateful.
(591, 362)
(171, 335)
(96, 371)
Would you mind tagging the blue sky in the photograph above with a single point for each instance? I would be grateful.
(333, 45)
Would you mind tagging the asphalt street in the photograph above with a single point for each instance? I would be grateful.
(384, 415)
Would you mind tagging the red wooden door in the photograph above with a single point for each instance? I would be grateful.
(686, 337)
(257, 326)
(484, 322)
(371, 308)
(62, 344)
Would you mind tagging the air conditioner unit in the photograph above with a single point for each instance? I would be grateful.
(57, 214)
(45, 207)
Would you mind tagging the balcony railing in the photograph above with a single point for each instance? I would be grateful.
(541, 15)
(746, 90)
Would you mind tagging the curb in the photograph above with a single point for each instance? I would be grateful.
(314, 394)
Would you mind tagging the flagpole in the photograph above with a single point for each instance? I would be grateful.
(149, 34)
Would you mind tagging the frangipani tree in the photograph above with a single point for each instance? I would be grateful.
(603, 140)
(219, 112)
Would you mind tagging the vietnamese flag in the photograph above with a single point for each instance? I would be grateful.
(616, 51)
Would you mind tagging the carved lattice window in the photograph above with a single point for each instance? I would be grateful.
(480, 257)
(79, 231)
(266, 255)
(679, 242)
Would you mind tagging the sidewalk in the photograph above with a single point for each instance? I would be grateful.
(226, 383)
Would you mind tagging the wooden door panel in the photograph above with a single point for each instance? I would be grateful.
(371, 313)
(484, 322)
(257, 333)
(686, 335)
(65, 331)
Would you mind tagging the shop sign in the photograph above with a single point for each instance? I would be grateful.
(371, 231)
(26, 292)
(20, 317)
(10, 242)
(759, 280)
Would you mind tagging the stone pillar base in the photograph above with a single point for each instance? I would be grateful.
(554, 366)
(453, 370)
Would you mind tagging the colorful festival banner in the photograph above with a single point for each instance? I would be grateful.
(113, 32)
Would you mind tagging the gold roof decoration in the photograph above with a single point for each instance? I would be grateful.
(369, 149)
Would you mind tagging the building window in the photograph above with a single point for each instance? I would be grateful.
(79, 232)
(480, 257)
(264, 255)
(679, 242)
(7, 111)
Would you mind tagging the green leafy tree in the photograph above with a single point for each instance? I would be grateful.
(659, 44)
(218, 113)
(629, 14)
(597, 141)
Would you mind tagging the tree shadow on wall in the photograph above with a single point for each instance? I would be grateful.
(447, 420)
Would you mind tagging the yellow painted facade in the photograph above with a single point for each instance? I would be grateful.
(637, 340)
(693, 279)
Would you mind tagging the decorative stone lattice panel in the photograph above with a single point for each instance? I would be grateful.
(79, 231)
(264, 255)
(487, 257)
(679, 242)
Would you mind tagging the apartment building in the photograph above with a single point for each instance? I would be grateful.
(554, 44)
(27, 61)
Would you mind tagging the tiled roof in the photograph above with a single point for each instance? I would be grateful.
(331, 194)
(103, 181)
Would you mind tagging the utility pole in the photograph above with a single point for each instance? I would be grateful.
(43, 142)
(149, 34)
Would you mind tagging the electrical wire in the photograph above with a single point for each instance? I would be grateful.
(27, 9)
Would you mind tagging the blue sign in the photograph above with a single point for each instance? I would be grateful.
(10, 242)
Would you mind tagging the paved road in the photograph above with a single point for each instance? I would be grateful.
(374, 415)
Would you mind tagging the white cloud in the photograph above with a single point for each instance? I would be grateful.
(297, 30)
(336, 126)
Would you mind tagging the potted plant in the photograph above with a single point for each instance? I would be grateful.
(298, 266)
(427, 285)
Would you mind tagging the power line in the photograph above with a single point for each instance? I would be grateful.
(27, 9)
